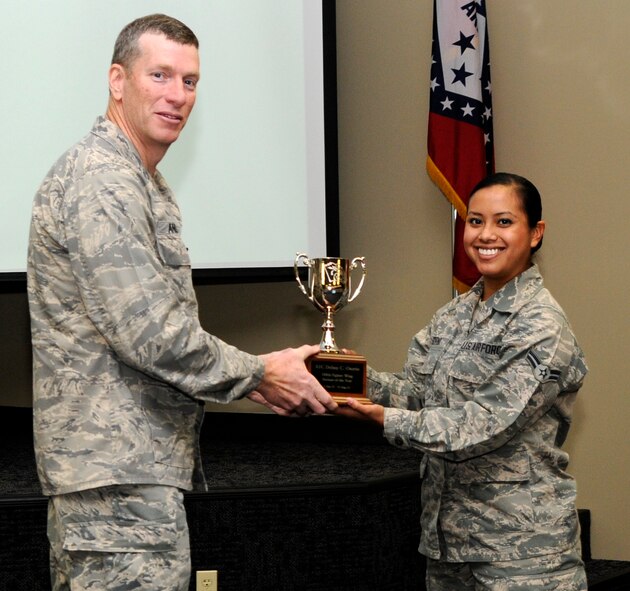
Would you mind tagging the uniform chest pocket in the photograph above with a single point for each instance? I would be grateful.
(469, 371)
(171, 248)
(433, 356)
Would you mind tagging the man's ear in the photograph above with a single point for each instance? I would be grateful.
(116, 80)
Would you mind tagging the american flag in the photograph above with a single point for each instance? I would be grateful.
(460, 136)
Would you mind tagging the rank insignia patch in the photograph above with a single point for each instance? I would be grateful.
(542, 372)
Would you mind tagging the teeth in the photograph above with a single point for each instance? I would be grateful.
(488, 251)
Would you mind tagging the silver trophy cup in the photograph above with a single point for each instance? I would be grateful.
(329, 288)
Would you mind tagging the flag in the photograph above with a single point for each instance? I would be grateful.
(460, 136)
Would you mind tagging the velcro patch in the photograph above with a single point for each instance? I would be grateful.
(543, 373)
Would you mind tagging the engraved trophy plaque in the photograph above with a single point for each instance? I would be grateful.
(329, 288)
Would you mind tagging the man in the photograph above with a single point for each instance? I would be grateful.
(121, 365)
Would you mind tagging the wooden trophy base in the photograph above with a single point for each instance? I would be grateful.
(342, 375)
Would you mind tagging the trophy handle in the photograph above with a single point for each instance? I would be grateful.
(356, 262)
(302, 257)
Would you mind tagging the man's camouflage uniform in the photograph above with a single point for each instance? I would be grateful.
(121, 365)
(487, 394)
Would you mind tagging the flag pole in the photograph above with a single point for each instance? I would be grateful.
(455, 293)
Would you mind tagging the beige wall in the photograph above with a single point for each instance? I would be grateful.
(561, 96)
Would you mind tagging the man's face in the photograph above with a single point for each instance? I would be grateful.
(158, 92)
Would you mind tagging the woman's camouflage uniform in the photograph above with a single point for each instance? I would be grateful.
(491, 393)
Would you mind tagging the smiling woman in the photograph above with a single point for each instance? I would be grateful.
(503, 228)
(487, 394)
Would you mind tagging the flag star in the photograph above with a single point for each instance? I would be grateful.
(487, 113)
(434, 84)
(468, 110)
(461, 74)
(465, 42)
(486, 138)
(446, 104)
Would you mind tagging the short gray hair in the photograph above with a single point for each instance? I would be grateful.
(126, 48)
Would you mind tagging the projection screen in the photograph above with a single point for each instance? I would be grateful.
(250, 170)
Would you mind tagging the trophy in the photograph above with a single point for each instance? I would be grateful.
(329, 288)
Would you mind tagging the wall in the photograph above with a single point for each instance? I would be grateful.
(560, 94)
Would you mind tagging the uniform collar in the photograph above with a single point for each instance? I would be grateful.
(516, 293)
(510, 298)
(109, 132)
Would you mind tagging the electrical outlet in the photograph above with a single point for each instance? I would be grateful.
(207, 580)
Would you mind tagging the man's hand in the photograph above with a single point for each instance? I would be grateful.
(288, 388)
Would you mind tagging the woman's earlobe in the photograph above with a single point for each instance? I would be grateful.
(538, 233)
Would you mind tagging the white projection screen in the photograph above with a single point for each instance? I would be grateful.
(254, 171)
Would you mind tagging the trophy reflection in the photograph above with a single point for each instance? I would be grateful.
(329, 288)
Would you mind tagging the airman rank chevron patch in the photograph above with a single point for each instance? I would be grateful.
(542, 372)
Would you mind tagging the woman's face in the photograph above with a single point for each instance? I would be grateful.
(497, 236)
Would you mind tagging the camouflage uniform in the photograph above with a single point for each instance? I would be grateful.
(121, 365)
(561, 571)
(487, 395)
(119, 538)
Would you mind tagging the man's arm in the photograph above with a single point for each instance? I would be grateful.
(288, 388)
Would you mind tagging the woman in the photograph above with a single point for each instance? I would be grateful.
(486, 394)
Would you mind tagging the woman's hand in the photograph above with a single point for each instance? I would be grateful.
(353, 409)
